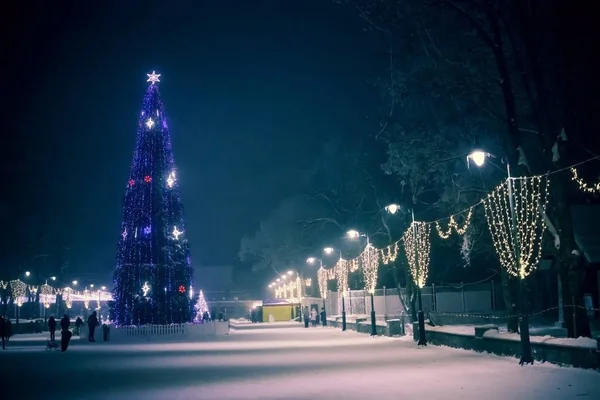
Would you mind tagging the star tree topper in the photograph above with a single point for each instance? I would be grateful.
(153, 77)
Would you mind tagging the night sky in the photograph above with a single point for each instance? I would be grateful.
(251, 90)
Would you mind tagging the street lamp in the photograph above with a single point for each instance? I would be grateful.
(103, 288)
(354, 234)
(27, 273)
(478, 157)
(74, 283)
(393, 209)
(53, 278)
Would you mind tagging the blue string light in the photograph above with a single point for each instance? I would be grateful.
(153, 261)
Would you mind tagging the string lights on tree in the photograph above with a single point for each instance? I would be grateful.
(417, 245)
(583, 186)
(200, 307)
(530, 201)
(67, 297)
(46, 292)
(452, 224)
(370, 264)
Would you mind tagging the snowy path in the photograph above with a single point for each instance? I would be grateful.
(290, 363)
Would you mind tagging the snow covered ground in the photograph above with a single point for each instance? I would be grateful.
(282, 363)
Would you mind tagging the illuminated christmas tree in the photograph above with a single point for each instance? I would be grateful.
(200, 307)
(153, 272)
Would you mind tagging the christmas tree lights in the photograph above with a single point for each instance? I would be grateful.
(152, 248)
(522, 237)
(200, 307)
(18, 290)
(370, 263)
(417, 246)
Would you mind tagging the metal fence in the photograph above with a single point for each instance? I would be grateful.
(477, 298)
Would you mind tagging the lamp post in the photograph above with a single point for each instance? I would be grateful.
(330, 250)
(354, 234)
(421, 317)
(478, 157)
(312, 261)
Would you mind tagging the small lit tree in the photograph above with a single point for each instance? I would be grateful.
(200, 308)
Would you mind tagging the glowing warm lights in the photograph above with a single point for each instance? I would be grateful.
(149, 123)
(583, 186)
(18, 289)
(46, 292)
(518, 242)
(311, 260)
(86, 298)
(478, 157)
(341, 274)
(145, 289)
(153, 77)
(322, 279)
(370, 263)
(176, 233)
(392, 208)
(67, 297)
(453, 224)
(353, 234)
(308, 282)
(328, 250)
(417, 247)
(389, 254)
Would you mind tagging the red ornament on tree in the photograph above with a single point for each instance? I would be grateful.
(147, 179)
(181, 289)
(131, 182)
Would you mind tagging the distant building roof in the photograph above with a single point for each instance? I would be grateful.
(586, 229)
(275, 302)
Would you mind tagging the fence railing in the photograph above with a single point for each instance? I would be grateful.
(189, 332)
(478, 298)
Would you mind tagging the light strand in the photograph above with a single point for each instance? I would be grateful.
(370, 264)
(452, 224)
(523, 236)
(583, 186)
(417, 245)
(18, 289)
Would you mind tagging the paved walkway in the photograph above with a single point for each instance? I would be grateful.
(282, 363)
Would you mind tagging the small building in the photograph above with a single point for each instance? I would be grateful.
(277, 310)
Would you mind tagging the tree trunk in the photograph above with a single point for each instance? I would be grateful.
(509, 288)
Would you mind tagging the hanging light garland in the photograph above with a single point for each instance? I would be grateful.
(86, 298)
(67, 297)
(308, 282)
(370, 263)
(322, 279)
(389, 254)
(341, 274)
(18, 289)
(298, 287)
(530, 202)
(452, 224)
(595, 188)
(417, 246)
(3, 285)
(46, 292)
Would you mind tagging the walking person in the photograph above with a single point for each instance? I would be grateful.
(306, 316)
(78, 325)
(92, 324)
(313, 317)
(65, 333)
(52, 327)
(2, 326)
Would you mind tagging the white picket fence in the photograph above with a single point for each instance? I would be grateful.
(173, 332)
